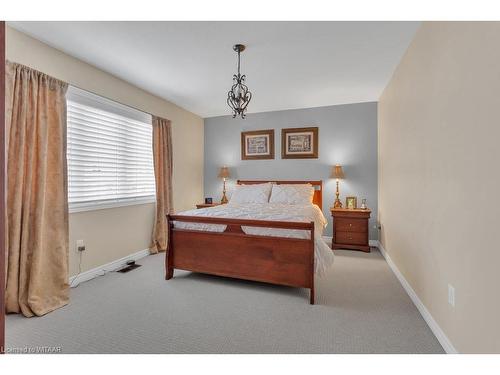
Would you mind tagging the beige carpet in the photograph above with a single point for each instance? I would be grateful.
(361, 308)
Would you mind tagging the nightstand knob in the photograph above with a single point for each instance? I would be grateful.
(350, 224)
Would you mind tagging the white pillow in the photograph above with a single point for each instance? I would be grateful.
(292, 194)
(258, 193)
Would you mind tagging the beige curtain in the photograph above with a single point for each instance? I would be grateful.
(37, 204)
(162, 156)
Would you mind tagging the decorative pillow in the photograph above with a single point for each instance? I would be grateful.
(292, 194)
(258, 193)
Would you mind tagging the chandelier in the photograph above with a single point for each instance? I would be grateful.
(239, 96)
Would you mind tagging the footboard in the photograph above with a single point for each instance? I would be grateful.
(233, 253)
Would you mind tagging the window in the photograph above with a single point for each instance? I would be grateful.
(110, 156)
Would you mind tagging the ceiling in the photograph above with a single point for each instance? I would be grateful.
(288, 64)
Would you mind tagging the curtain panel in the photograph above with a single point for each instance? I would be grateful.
(162, 158)
(37, 204)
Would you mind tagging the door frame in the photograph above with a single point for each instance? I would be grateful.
(2, 187)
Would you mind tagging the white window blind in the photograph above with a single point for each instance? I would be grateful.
(110, 156)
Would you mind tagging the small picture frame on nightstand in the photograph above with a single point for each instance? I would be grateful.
(208, 200)
(351, 203)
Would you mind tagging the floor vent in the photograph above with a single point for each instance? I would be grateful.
(129, 266)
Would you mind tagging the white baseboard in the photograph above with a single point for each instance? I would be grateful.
(438, 332)
(102, 270)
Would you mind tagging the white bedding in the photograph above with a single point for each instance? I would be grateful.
(323, 255)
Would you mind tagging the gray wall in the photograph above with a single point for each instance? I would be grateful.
(347, 136)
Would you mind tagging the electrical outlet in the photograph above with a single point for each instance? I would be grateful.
(451, 295)
(80, 245)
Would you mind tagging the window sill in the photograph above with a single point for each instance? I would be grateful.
(108, 205)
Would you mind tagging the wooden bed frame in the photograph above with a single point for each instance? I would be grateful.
(232, 253)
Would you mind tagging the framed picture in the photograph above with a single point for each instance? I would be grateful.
(299, 143)
(351, 202)
(208, 200)
(257, 144)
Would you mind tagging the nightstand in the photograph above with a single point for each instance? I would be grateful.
(350, 229)
(205, 205)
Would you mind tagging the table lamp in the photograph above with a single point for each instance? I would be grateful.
(338, 174)
(224, 173)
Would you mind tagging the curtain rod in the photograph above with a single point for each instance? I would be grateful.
(91, 92)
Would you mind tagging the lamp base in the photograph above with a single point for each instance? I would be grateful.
(224, 199)
(337, 203)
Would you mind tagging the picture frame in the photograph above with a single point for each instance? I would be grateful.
(351, 203)
(208, 200)
(257, 144)
(299, 143)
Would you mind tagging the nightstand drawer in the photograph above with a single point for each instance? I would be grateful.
(351, 225)
(351, 238)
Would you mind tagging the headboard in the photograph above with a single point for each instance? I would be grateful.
(317, 185)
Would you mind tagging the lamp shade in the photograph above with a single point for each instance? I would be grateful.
(223, 172)
(337, 172)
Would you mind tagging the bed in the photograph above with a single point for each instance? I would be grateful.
(271, 242)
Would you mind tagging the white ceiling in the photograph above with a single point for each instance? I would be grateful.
(288, 64)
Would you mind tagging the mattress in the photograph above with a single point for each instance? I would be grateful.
(323, 255)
